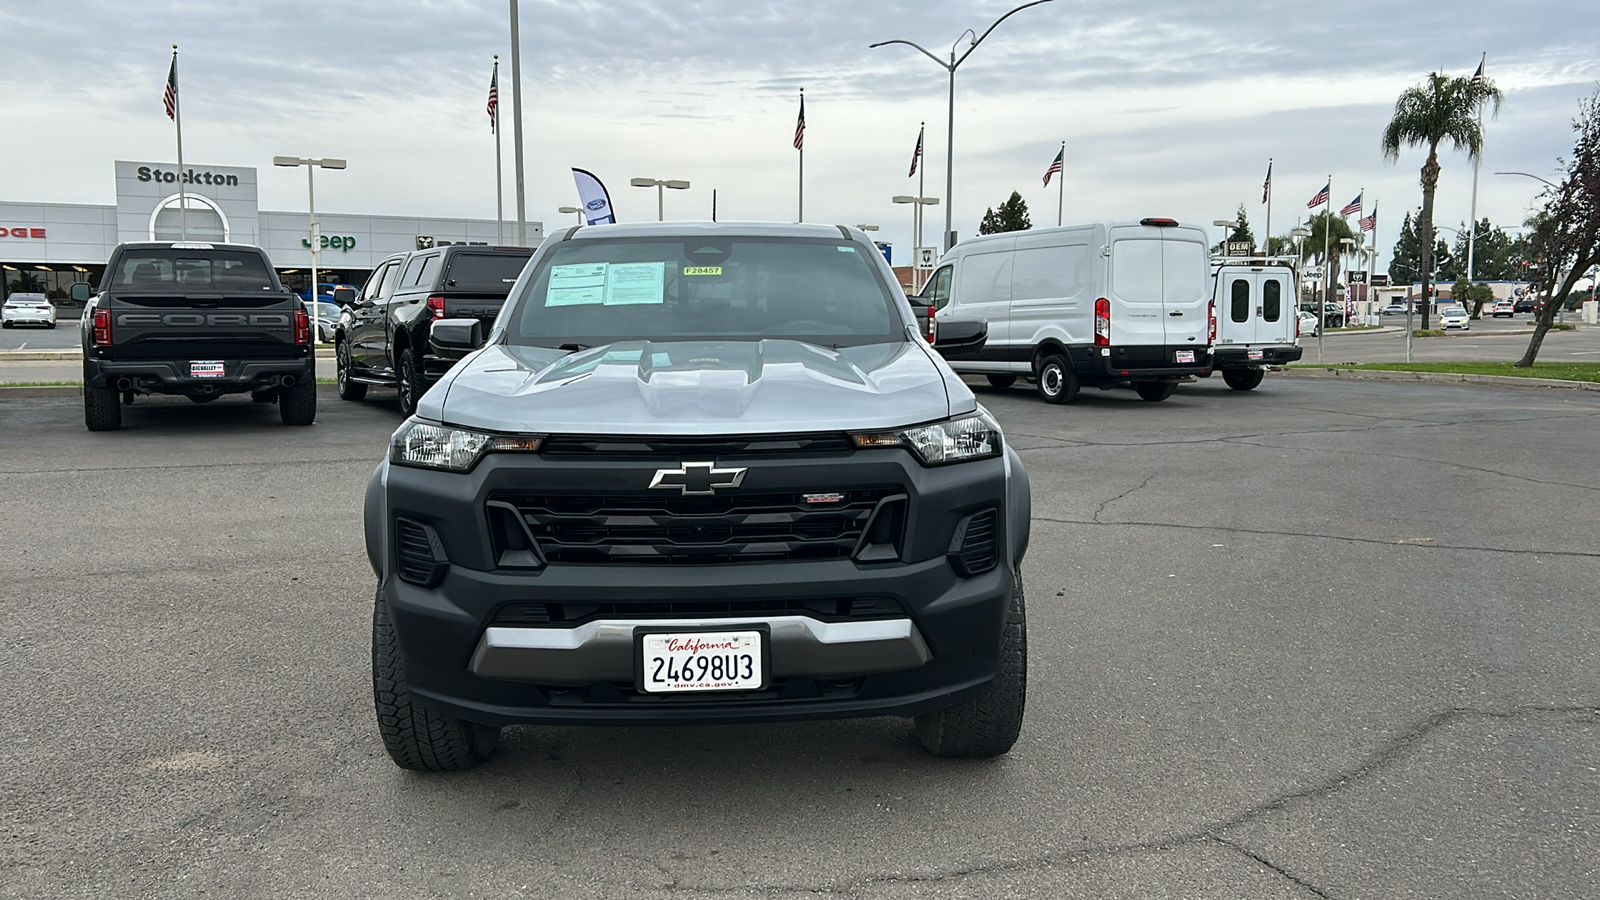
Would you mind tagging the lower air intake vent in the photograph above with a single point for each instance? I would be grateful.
(973, 550)
(422, 559)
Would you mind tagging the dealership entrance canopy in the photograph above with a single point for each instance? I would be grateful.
(45, 247)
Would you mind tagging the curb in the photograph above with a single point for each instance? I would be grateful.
(1441, 378)
(76, 390)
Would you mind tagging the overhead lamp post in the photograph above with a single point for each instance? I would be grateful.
(950, 135)
(659, 185)
(867, 227)
(316, 232)
(1226, 225)
(917, 203)
(572, 209)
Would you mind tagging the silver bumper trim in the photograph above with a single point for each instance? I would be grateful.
(603, 650)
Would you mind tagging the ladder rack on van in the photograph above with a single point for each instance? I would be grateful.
(1290, 261)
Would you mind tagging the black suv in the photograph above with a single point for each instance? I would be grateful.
(698, 473)
(383, 334)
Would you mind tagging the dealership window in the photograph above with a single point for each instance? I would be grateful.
(206, 221)
(54, 281)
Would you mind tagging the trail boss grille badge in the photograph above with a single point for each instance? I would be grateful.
(697, 479)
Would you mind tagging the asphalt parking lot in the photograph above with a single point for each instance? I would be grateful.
(1324, 639)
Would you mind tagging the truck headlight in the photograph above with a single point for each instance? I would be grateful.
(953, 440)
(428, 446)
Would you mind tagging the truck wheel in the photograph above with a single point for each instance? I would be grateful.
(101, 408)
(348, 390)
(1155, 391)
(1242, 379)
(987, 725)
(409, 382)
(1056, 383)
(416, 736)
(1002, 381)
(297, 404)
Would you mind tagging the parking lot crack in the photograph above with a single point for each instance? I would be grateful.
(1102, 507)
(1262, 860)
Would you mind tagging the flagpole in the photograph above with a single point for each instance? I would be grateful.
(499, 190)
(1061, 187)
(801, 209)
(1267, 241)
(916, 219)
(1477, 164)
(177, 121)
(516, 125)
(1322, 307)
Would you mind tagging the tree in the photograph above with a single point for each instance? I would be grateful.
(1496, 256)
(1242, 231)
(1443, 107)
(1405, 260)
(1566, 236)
(1335, 228)
(1012, 216)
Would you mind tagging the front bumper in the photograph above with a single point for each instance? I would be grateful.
(162, 376)
(940, 643)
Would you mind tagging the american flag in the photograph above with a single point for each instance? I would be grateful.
(1370, 223)
(493, 109)
(1320, 198)
(171, 96)
(800, 126)
(1055, 166)
(1477, 77)
(1352, 208)
(1266, 186)
(916, 155)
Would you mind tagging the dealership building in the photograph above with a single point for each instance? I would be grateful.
(46, 247)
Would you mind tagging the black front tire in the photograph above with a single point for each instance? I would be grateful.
(418, 737)
(988, 724)
(1002, 381)
(102, 408)
(348, 389)
(1155, 391)
(297, 404)
(1242, 379)
(409, 383)
(1056, 382)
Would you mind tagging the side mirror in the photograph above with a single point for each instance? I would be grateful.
(960, 338)
(455, 337)
(81, 292)
(344, 296)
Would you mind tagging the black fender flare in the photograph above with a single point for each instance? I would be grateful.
(374, 517)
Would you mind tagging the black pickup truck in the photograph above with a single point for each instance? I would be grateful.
(195, 319)
(383, 335)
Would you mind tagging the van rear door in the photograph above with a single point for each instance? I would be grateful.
(1160, 286)
(1254, 306)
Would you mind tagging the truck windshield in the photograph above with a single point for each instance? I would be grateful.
(163, 269)
(600, 291)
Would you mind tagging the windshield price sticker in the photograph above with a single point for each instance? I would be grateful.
(701, 661)
(607, 284)
(1184, 356)
(702, 270)
(206, 368)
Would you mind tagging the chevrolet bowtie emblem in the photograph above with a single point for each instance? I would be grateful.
(697, 478)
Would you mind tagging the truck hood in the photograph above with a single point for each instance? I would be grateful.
(696, 388)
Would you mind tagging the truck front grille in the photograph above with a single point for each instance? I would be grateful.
(663, 530)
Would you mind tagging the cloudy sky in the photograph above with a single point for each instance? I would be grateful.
(1167, 107)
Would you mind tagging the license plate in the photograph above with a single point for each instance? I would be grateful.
(206, 368)
(1253, 354)
(689, 661)
(1184, 356)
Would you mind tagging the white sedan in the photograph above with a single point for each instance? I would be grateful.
(1455, 317)
(1308, 324)
(27, 309)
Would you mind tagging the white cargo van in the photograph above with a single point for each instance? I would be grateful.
(1257, 318)
(1097, 304)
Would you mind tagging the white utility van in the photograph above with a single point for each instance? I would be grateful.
(1257, 318)
(1097, 304)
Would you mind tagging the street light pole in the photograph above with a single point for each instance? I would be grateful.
(950, 131)
(572, 209)
(311, 198)
(661, 194)
(918, 203)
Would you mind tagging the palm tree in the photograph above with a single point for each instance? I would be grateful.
(1336, 228)
(1442, 107)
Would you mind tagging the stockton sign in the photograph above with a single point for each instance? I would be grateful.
(190, 176)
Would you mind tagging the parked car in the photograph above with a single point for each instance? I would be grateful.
(1393, 309)
(1309, 327)
(384, 334)
(326, 316)
(1455, 317)
(27, 309)
(1503, 308)
(1525, 305)
(698, 473)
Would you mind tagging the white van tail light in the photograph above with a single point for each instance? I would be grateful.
(1102, 322)
(933, 326)
(1211, 315)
